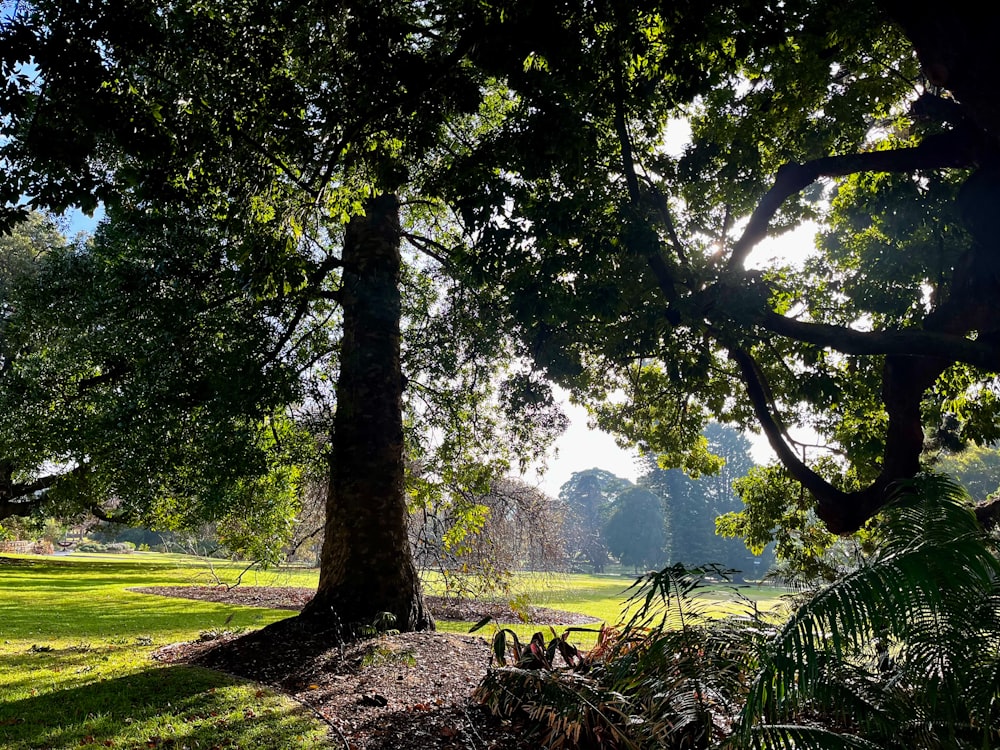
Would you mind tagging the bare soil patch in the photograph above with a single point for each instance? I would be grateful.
(394, 692)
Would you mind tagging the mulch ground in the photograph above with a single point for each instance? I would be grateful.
(394, 692)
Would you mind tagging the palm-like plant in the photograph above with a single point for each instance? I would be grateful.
(665, 677)
(904, 652)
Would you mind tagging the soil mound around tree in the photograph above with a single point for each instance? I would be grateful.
(397, 691)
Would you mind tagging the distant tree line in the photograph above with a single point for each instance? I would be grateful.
(667, 516)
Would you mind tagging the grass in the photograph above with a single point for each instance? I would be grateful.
(602, 596)
(75, 667)
(75, 645)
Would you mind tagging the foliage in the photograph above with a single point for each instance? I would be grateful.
(694, 505)
(776, 509)
(475, 544)
(976, 468)
(902, 652)
(113, 547)
(587, 496)
(137, 332)
(660, 678)
(628, 259)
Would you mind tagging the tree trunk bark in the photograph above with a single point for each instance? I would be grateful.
(366, 568)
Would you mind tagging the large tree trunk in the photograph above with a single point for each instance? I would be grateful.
(366, 567)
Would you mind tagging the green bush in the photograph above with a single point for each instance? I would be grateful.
(123, 548)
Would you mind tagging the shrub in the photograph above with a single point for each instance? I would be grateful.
(664, 677)
(123, 548)
(903, 652)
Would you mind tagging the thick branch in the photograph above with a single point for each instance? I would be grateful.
(909, 342)
(949, 150)
(758, 392)
(22, 499)
(845, 512)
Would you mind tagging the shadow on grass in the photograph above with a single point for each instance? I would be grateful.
(82, 572)
(172, 706)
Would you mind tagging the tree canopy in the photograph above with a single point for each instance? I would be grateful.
(628, 264)
(619, 265)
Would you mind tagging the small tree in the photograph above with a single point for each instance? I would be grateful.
(477, 541)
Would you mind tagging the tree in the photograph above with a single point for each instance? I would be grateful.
(628, 265)
(477, 541)
(694, 504)
(636, 532)
(106, 338)
(292, 142)
(587, 496)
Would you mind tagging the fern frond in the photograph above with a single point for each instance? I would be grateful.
(798, 737)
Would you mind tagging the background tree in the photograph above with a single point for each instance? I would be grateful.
(114, 337)
(587, 496)
(693, 505)
(636, 531)
(513, 527)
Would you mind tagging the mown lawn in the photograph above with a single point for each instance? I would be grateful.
(603, 596)
(75, 667)
(75, 645)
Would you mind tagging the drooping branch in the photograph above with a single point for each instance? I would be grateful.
(757, 390)
(953, 149)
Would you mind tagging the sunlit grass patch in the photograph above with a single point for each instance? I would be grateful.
(75, 666)
(603, 597)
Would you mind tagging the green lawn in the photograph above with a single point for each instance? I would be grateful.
(602, 596)
(75, 667)
(75, 645)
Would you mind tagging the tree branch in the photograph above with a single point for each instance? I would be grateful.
(22, 499)
(948, 150)
(664, 277)
(907, 342)
(758, 391)
(430, 248)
